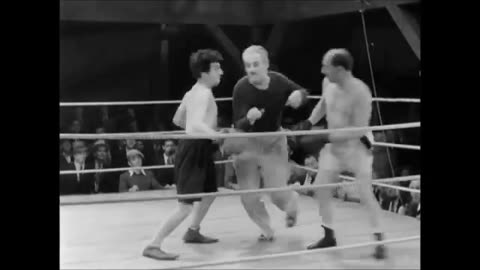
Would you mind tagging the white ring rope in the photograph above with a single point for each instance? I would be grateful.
(294, 253)
(349, 178)
(64, 201)
(394, 145)
(162, 135)
(216, 162)
(129, 168)
(158, 102)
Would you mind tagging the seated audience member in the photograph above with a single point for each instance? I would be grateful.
(79, 183)
(412, 208)
(76, 126)
(147, 150)
(105, 182)
(389, 199)
(119, 153)
(65, 154)
(305, 177)
(166, 157)
(136, 179)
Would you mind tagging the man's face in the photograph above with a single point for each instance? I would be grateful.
(256, 67)
(135, 161)
(140, 146)
(169, 148)
(76, 126)
(130, 143)
(330, 71)
(66, 146)
(215, 73)
(311, 162)
(80, 157)
(101, 153)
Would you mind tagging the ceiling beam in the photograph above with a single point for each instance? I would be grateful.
(408, 25)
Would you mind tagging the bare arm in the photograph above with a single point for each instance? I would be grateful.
(319, 111)
(179, 119)
(199, 108)
(360, 118)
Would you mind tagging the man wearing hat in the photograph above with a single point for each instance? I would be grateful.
(137, 179)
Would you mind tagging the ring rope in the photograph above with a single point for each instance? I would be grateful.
(158, 102)
(399, 188)
(349, 178)
(160, 135)
(228, 193)
(216, 162)
(129, 168)
(395, 145)
(295, 253)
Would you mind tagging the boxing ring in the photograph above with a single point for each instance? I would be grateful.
(109, 231)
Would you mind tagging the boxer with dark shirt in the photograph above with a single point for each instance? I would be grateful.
(258, 102)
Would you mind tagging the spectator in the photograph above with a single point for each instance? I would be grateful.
(105, 182)
(65, 153)
(79, 183)
(166, 157)
(405, 196)
(389, 199)
(307, 177)
(76, 126)
(136, 179)
(412, 208)
(146, 149)
(119, 153)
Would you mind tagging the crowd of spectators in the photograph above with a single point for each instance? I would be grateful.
(78, 155)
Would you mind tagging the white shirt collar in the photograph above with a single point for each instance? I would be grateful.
(142, 171)
(78, 165)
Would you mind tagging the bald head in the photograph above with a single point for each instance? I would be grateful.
(337, 65)
(339, 58)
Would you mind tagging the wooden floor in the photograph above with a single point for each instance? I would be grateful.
(112, 236)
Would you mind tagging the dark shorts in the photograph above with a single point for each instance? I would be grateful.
(195, 168)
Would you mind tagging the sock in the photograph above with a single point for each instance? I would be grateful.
(378, 236)
(194, 228)
(328, 232)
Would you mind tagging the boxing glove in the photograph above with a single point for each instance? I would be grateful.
(364, 139)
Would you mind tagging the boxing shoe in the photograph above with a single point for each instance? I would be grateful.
(327, 241)
(195, 237)
(323, 243)
(158, 254)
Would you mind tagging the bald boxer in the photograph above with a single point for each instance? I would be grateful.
(346, 103)
(258, 102)
(194, 166)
